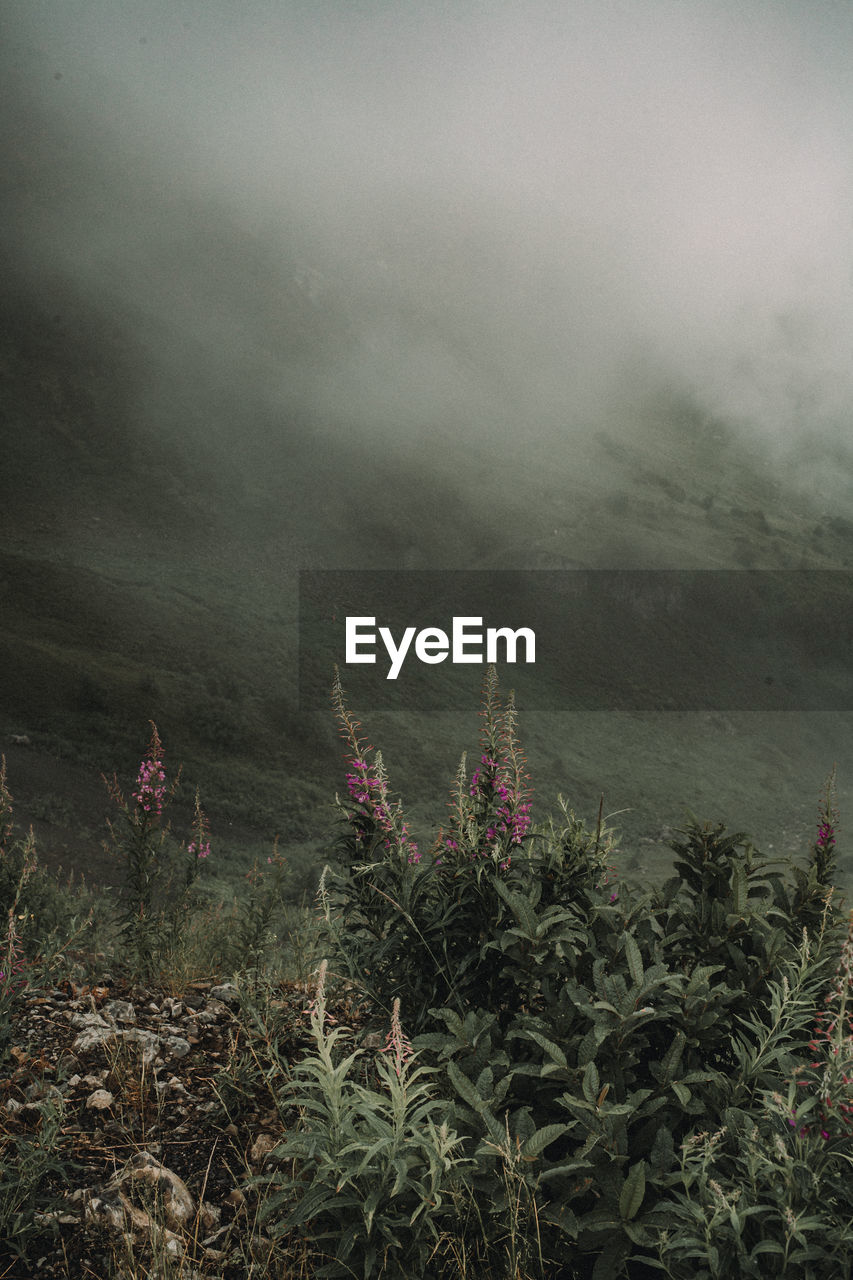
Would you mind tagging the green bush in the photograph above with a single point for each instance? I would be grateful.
(372, 1170)
(585, 1036)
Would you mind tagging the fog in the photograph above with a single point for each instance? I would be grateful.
(503, 222)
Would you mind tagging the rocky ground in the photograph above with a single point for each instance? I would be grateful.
(149, 1111)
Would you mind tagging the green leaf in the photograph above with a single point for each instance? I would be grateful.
(555, 1053)
(591, 1084)
(520, 908)
(672, 1057)
(635, 960)
(681, 1092)
(536, 1144)
(633, 1191)
(464, 1087)
(699, 977)
(767, 1246)
(485, 1082)
(740, 889)
(311, 1204)
(562, 1217)
(663, 1151)
(563, 1170)
(587, 1047)
(638, 1233)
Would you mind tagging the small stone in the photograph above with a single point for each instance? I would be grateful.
(81, 1021)
(177, 1047)
(149, 1043)
(261, 1147)
(226, 992)
(100, 1100)
(120, 1011)
(93, 1038)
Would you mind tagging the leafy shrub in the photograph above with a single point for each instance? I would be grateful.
(372, 1170)
(587, 1036)
(770, 1191)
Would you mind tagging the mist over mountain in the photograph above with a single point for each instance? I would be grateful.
(497, 222)
(412, 286)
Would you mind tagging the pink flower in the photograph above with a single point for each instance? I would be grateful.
(397, 1044)
(151, 779)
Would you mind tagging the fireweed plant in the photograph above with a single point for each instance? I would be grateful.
(366, 1178)
(403, 920)
(159, 896)
(641, 1080)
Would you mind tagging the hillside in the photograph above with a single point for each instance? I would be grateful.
(144, 580)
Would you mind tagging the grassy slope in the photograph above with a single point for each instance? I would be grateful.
(141, 581)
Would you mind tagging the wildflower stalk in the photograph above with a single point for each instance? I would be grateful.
(824, 845)
(139, 835)
(377, 820)
(828, 1077)
(199, 847)
(366, 1173)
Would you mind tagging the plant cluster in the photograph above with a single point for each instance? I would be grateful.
(635, 1081)
(551, 1072)
(160, 879)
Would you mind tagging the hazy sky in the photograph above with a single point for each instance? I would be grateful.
(487, 217)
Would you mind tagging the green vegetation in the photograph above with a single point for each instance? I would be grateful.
(515, 1063)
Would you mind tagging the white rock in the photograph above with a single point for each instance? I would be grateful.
(149, 1043)
(100, 1100)
(80, 1021)
(178, 1206)
(93, 1038)
(120, 1011)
